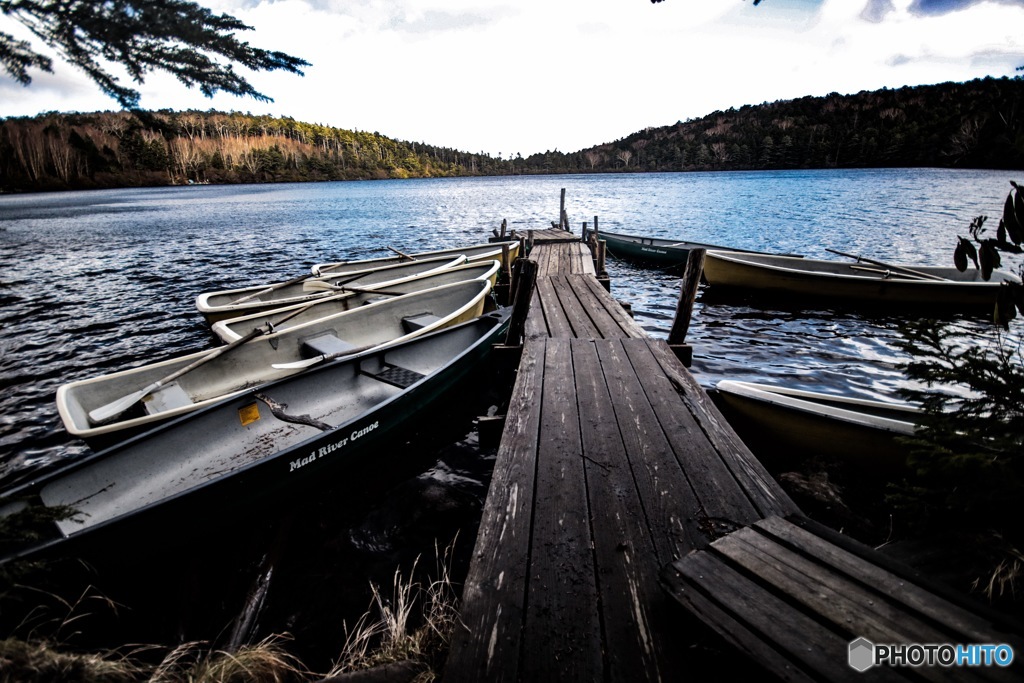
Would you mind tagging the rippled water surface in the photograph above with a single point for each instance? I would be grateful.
(92, 282)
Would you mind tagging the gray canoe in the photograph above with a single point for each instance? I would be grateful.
(269, 356)
(260, 447)
(300, 314)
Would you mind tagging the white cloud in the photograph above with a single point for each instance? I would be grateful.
(536, 74)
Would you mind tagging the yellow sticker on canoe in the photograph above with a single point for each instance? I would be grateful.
(249, 414)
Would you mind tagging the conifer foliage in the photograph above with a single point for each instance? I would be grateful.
(180, 37)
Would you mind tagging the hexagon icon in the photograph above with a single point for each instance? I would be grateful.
(862, 654)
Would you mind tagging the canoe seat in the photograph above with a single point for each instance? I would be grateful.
(414, 323)
(325, 344)
(397, 376)
(167, 397)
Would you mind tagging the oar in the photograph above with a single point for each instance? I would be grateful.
(299, 364)
(402, 254)
(271, 288)
(326, 286)
(883, 264)
(886, 272)
(115, 408)
(318, 284)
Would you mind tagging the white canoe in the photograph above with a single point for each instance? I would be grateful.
(785, 423)
(257, 361)
(281, 319)
(231, 303)
(786, 277)
(473, 252)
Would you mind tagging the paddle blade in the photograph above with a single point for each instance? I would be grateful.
(108, 412)
(299, 364)
(319, 286)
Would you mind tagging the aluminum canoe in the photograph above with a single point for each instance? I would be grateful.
(788, 278)
(302, 313)
(475, 252)
(232, 303)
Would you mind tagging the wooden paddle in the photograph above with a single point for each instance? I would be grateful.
(271, 288)
(886, 272)
(328, 287)
(883, 264)
(111, 410)
(299, 364)
(402, 254)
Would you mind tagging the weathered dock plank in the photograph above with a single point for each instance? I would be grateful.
(795, 600)
(614, 499)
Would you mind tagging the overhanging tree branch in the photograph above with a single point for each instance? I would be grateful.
(176, 36)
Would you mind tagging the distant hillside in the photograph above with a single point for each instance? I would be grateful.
(116, 149)
(979, 124)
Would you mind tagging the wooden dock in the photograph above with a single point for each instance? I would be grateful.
(617, 491)
(613, 463)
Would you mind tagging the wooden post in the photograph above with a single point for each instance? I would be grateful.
(561, 211)
(602, 245)
(596, 232)
(521, 305)
(684, 308)
(529, 241)
(504, 227)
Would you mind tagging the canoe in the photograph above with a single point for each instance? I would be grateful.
(782, 424)
(652, 251)
(785, 278)
(231, 303)
(486, 251)
(268, 356)
(248, 452)
(300, 314)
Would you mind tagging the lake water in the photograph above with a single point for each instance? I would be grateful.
(92, 282)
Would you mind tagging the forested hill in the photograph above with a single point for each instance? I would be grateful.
(979, 124)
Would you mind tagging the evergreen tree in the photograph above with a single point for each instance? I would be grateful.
(177, 36)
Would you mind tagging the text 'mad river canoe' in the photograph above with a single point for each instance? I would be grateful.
(258, 446)
(785, 278)
(92, 408)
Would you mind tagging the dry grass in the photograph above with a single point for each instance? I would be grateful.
(383, 634)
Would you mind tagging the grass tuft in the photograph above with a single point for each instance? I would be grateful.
(384, 634)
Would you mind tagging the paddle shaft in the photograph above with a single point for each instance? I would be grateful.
(886, 272)
(114, 408)
(402, 254)
(271, 288)
(324, 358)
(883, 264)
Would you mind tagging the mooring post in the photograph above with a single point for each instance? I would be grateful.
(684, 307)
(561, 211)
(602, 274)
(521, 304)
(529, 241)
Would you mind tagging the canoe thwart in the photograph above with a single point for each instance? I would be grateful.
(326, 344)
(414, 323)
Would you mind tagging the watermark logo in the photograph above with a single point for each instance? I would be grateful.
(863, 654)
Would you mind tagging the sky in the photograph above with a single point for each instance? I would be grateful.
(508, 77)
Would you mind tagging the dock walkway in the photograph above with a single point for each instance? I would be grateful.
(613, 463)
